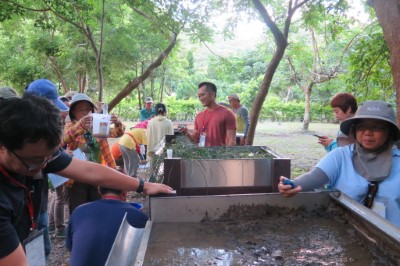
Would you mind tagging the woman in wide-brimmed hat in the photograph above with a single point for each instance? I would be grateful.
(368, 170)
(77, 134)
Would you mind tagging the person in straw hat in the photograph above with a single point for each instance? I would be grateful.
(78, 134)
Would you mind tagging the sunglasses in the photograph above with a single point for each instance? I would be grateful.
(34, 166)
(369, 198)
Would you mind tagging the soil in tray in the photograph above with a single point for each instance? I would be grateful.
(297, 238)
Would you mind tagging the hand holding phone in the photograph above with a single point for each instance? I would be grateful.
(287, 181)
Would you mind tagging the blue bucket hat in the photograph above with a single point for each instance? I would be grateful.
(46, 88)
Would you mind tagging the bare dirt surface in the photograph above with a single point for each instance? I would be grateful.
(284, 138)
(261, 235)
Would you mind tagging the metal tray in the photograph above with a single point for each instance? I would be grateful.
(170, 213)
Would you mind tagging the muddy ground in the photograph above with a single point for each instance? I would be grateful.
(263, 235)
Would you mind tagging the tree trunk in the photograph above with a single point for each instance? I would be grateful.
(143, 84)
(57, 70)
(99, 55)
(82, 78)
(314, 76)
(262, 93)
(162, 83)
(137, 81)
(152, 89)
(281, 44)
(388, 13)
(307, 95)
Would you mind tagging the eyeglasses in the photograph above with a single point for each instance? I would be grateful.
(34, 166)
(369, 198)
(89, 140)
(373, 128)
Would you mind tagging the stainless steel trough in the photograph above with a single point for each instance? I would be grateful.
(168, 239)
(226, 176)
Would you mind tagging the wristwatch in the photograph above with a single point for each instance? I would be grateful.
(140, 187)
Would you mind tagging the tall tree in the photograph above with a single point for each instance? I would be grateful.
(323, 69)
(388, 13)
(281, 41)
(101, 23)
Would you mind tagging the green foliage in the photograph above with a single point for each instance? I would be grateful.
(327, 14)
(274, 109)
(187, 150)
(277, 110)
(127, 109)
(369, 72)
(178, 110)
(45, 43)
(8, 9)
(137, 31)
(182, 110)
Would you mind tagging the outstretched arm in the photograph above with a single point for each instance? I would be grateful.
(100, 175)
(316, 178)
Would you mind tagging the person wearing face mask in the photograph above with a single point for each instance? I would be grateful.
(368, 170)
(77, 134)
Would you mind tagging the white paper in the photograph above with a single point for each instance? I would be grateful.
(169, 153)
(101, 125)
(79, 154)
(57, 180)
(35, 251)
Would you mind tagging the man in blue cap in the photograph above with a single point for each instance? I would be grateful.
(47, 89)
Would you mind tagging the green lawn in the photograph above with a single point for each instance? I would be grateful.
(288, 141)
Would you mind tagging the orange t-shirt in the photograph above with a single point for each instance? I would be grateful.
(115, 151)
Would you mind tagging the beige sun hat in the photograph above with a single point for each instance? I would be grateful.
(79, 97)
(8, 93)
(148, 100)
(233, 97)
